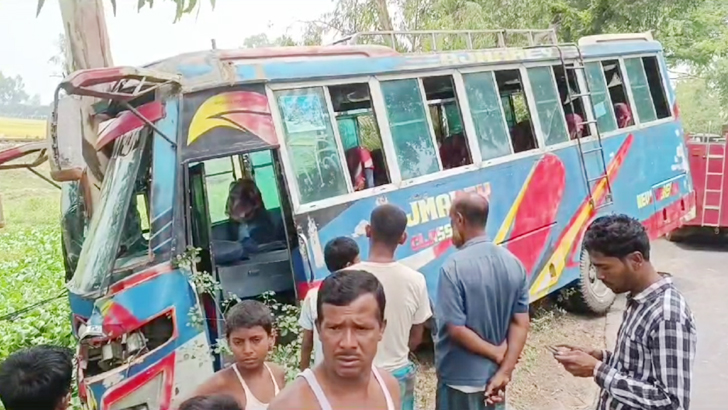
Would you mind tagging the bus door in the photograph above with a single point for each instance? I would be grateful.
(239, 217)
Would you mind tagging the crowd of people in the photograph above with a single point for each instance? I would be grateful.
(361, 324)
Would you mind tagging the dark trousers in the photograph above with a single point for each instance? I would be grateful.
(448, 398)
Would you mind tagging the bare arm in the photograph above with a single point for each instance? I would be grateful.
(451, 310)
(415, 336)
(471, 341)
(517, 334)
(279, 373)
(306, 349)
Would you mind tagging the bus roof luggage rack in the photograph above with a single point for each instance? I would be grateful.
(418, 41)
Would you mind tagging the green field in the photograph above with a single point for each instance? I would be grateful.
(31, 268)
(20, 128)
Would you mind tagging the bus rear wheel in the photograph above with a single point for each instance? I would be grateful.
(593, 295)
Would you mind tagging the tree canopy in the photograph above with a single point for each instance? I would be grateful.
(183, 6)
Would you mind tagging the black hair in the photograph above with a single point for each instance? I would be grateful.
(475, 213)
(340, 252)
(212, 402)
(248, 314)
(343, 287)
(388, 222)
(617, 236)
(38, 378)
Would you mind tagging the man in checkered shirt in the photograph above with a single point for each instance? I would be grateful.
(652, 365)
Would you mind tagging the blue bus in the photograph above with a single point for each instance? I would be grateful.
(308, 140)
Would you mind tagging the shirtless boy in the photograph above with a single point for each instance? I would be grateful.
(251, 380)
(350, 324)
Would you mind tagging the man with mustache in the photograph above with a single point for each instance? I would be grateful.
(350, 324)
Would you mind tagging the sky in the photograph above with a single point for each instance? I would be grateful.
(141, 37)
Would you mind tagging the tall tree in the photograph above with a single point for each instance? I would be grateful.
(12, 90)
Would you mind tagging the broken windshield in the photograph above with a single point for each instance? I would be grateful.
(104, 237)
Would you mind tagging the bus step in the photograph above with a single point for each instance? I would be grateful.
(713, 190)
(575, 67)
(714, 173)
(580, 95)
(712, 207)
(715, 156)
(594, 179)
(590, 150)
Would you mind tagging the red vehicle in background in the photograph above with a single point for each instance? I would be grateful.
(707, 156)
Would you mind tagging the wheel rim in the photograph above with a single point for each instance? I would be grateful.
(596, 286)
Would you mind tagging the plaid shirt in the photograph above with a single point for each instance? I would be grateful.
(652, 365)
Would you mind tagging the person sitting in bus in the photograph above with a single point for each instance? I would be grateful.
(251, 225)
(361, 168)
(380, 167)
(522, 136)
(454, 151)
(624, 115)
(576, 126)
(251, 380)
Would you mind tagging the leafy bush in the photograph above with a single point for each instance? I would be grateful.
(32, 271)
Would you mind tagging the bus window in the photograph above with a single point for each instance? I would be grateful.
(548, 105)
(510, 85)
(657, 88)
(447, 121)
(219, 174)
(574, 111)
(646, 84)
(617, 93)
(311, 143)
(485, 108)
(602, 103)
(413, 140)
(640, 90)
(360, 136)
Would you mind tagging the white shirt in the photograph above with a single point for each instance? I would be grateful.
(308, 322)
(407, 304)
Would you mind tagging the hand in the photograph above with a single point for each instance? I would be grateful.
(501, 352)
(595, 353)
(495, 390)
(578, 363)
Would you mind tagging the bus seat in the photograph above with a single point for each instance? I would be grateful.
(262, 272)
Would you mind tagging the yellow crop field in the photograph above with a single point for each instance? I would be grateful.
(21, 128)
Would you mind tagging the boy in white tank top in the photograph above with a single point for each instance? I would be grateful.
(251, 380)
(350, 323)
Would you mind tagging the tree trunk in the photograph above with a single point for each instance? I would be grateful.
(87, 46)
(385, 22)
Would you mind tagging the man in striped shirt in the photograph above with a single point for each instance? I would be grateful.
(651, 367)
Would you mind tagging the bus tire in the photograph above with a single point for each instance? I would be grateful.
(593, 296)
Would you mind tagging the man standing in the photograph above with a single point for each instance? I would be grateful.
(481, 314)
(409, 304)
(652, 365)
(350, 323)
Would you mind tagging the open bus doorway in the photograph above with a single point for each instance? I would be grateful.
(241, 219)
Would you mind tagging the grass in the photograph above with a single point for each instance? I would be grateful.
(20, 128)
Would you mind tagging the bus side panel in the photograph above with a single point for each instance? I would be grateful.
(539, 207)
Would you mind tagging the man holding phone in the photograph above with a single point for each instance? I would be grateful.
(652, 365)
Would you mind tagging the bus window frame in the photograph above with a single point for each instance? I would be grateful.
(379, 109)
(412, 76)
(473, 142)
(540, 137)
(663, 81)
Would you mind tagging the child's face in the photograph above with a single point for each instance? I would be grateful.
(250, 346)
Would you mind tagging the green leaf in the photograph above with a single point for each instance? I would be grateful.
(190, 6)
(40, 6)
